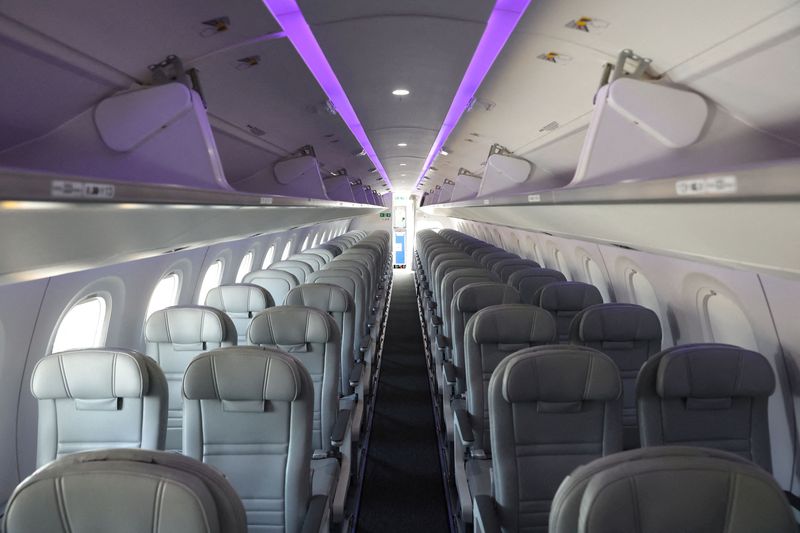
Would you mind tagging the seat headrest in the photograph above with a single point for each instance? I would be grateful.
(681, 493)
(513, 324)
(476, 296)
(290, 264)
(568, 296)
(537, 273)
(560, 374)
(282, 275)
(189, 324)
(322, 296)
(92, 374)
(116, 489)
(245, 373)
(713, 371)
(292, 325)
(616, 322)
(239, 298)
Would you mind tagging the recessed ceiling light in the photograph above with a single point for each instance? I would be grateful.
(444, 152)
(402, 145)
(402, 164)
(402, 174)
(401, 92)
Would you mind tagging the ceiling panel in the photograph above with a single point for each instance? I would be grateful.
(280, 97)
(325, 11)
(130, 35)
(38, 95)
(376, 47)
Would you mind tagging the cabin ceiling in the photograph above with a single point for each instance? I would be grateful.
(376, 46)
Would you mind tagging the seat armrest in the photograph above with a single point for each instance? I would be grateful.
(442, 341)
(449, 372)
(484, 514)
(355, 374)
(339, 431)
(315, 514)
(464, 426)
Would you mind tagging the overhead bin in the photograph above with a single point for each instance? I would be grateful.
(299, 176)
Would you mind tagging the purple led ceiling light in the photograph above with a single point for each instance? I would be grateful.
(291, 19)
(501, 23)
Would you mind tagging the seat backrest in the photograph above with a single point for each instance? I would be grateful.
(125, 491)
(454, 280)
(241, 302)
(298, 269)
(491, 335)
(173, 337)
(528, 281)
(711, 395)
(551, 409)
(684, 494)
(354, 284)
(485, 250)
(629, 334)
(277, 282)
(311, 259)
(565, 511)
(312, 337)
(249, 414)
(98, 398)
(565, 299)
(442, 268)
(505, 267)
(467, 301)
(360, 267)
(338, 303)
(322, 253)
(490, 260)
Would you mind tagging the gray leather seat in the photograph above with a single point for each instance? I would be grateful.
(313, 260)
(505, 267)
(490, 260)
(173, 337)
(322, 253)
(670, 491)
(241, 302)
(491, 335)
(249, 414)
(564, 300)
(629, 334)
(711, 395)
(125, 491)
(98, 398)
(552, 408)
(338, 303)
(299, 269)
(312, 337)
(565, 511)
(528, 281)
(278, 283)
(466, 302)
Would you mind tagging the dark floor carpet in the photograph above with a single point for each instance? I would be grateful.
(403, 488)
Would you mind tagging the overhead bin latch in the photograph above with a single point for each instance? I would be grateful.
(171, 70)
(499, 149)
(628, 65)
(464, 172)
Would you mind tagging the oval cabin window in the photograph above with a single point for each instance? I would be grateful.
(725, 321)
(165, 294)
(245, 266)
(212, 279)
(596, 278)
(287, 250)
(269, 257)
(83, 326)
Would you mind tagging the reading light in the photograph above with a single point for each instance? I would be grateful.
(444, 152)
(501, 23)
(291, 19)
(401, 92)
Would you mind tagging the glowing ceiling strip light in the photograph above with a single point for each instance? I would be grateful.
(294, 24)
(501, 23)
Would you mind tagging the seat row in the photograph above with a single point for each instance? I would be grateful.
(219, 382)
(538, 376)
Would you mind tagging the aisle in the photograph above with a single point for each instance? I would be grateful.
(403, 481)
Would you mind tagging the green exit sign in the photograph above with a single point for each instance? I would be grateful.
(385, 215)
